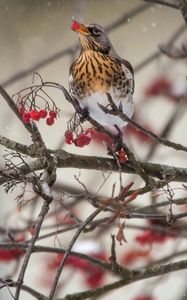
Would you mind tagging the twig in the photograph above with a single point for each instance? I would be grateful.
(164, 3)
(180, 201)
(183, 7)
(115, 111)
(157, 53)
(75, 237)
(14, 108)
(133, 276)
(34, 293)
(38, 224)
(126, 16)
(43, 185)
(166, 130)
(174, 53)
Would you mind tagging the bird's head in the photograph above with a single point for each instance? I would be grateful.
(93, 37)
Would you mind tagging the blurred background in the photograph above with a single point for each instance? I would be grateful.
(36, 37)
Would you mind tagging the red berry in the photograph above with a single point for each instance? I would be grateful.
(35, 115)
(26, 117)
(82, 140)
(43, 114)
(52, 114)
(50, 121)
(122, 156)
(90, 132)
(21, 109)
(69, 137)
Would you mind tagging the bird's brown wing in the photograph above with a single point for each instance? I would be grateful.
(128, 65)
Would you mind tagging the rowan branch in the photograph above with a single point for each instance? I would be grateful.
(67, 253)
(133, 276)
(183, 7)
(162, 2)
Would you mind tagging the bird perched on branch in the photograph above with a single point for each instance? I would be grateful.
(99, 71)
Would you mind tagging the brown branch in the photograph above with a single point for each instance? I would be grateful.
(158, 53)
(117, 112)
(134, 275)
(67, 253)
(38, 225)
(173, 52)
(42, 186)
(162, 2)
(183, 7)
(126, 16)
(14, 108)
(69, 160)
(179, 201)
(180, 109)
(34, 293)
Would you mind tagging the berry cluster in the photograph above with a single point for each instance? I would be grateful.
(7, 255)
(149, 237)
(93, 275)
(81, 140)
(36, 115)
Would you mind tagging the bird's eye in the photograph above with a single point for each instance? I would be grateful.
(96, 31)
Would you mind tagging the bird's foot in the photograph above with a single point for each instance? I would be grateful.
(118, 140)
(118, 151)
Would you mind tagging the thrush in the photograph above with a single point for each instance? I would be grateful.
(99, 71)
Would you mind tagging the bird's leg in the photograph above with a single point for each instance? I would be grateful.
(120, 154)
(118, 139)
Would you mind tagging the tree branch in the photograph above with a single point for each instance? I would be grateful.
(67, 253)
(162, 2)
(183, 7)
(133, 276)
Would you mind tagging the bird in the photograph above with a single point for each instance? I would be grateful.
(97, 72)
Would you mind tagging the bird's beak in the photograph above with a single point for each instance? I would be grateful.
(80, 28)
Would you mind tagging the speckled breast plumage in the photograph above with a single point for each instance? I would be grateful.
(93, 75)
(93, 72)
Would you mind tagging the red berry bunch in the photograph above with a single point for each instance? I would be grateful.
(93, 275)
(36, 115)
(81, 140)
(149, 237)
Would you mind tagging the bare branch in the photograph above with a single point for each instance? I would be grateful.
(183, 7)
(133, 276)
(162, 2)
(74, 239)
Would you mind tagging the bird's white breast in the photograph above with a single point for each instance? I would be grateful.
(105, 119)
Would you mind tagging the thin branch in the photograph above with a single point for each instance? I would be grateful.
(124, 19)
(116, 111)
(14, 108)
(74, 239)
(34, 293)
(158, 53)
(174, 53)
(180, 201)
(38, 225)
(133, 276)
(44, 249)
(43, 185)
(180, 109)
(162, 2)
(183, 7)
